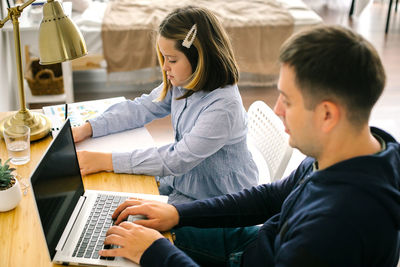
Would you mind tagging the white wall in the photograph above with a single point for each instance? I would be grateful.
(8, 98)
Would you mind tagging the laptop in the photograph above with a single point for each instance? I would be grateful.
(74, 221)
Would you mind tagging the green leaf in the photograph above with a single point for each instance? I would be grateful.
(5, 173)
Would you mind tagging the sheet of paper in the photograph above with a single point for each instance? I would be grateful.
(122, 142)
(78, 112)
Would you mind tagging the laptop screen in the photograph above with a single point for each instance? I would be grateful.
(57, 186)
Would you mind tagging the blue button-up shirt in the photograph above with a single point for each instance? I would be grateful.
(209, 156)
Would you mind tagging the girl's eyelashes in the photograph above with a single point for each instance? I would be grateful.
(169, 60)
(285, 102)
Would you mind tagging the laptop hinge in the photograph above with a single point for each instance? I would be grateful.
(71, 223)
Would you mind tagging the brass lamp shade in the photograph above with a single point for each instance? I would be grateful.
(59, 40)
(59, 37)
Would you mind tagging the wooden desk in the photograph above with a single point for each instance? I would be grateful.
(21, 240)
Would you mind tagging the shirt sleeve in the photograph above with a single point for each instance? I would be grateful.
(163, 253)
(211, 131)
(131, 114)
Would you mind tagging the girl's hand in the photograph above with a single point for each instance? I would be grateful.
(82, 132)
(91, 162)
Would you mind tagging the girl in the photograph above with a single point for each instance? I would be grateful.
(209, 156)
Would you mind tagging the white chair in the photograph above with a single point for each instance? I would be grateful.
(266, 136)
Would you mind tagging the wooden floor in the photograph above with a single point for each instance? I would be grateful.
(371, 24)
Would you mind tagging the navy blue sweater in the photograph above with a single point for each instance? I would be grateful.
(345, 215)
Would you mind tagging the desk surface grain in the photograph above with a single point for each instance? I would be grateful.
(22, 242)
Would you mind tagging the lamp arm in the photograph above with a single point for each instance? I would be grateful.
(13, 14)
(2, 22)
(69, 45)
(16, 11)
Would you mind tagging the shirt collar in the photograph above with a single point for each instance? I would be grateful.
(381, 142)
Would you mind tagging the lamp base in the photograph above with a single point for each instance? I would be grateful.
(39, 124)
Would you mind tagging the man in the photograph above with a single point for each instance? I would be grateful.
(340, 207)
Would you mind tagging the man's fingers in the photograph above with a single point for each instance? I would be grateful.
(148, 223)
(130, 202)
(116, 230)
(127, 225)
(131, 207)
(113, 239)
(127, 203)
(115, 252)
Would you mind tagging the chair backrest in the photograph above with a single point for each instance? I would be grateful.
(267, 132)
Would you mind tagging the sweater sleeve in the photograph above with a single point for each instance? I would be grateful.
(163, 253)
(247, 207)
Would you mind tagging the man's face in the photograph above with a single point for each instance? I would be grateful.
(176, 65)
(299, 122)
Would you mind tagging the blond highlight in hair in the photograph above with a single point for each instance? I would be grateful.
(210, 55)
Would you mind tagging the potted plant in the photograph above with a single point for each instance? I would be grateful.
(10, 191)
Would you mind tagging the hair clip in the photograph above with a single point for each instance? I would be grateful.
(193, 31)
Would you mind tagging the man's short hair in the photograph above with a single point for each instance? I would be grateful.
(334, 63)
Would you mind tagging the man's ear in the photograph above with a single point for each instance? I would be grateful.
(328, 114)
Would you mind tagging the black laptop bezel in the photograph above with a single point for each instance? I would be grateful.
(64, 132)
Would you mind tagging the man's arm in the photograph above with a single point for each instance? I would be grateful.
(138, 242)
(247, 207)
(163, 253)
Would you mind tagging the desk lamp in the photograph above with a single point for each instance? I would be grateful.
(59, 40)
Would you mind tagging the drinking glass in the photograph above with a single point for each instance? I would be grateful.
(17, 139)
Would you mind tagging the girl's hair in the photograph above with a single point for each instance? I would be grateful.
(210, 54)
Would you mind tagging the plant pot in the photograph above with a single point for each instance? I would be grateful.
(11, 197)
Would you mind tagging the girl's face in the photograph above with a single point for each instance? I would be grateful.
(176, 65)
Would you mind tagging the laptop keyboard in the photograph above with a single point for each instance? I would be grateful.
(99, 221)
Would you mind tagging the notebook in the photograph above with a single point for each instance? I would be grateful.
(74, 221)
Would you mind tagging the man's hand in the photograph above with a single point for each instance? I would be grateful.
(133, 240)
(82, 132)
(91, 162)
(160, 216)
